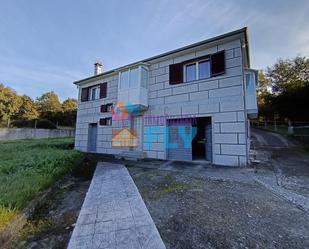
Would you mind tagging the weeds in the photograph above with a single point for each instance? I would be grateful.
(29, 166)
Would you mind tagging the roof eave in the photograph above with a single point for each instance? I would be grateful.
(235, 32)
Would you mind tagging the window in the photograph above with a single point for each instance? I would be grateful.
(199, 68)
(251, 82)
(144, 77)
(203, 70)
(94, 93)
(133, 78)
(129, 78)
(107, 107)
(191, 72)
(124, 80)
(197, 71)
(106, 121)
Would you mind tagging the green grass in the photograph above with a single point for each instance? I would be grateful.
(167, 185)
(29, 166)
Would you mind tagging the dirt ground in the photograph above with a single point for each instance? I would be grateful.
(288, 158)
(194, 211)
(200, 205)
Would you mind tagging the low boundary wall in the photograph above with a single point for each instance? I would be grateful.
(28, 133)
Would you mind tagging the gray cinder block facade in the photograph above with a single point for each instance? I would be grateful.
(192, 103)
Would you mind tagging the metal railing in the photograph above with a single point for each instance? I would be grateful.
(299, 128)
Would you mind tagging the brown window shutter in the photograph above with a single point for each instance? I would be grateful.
(103, 108)
(217, 63)
(176, 73)
(84, 94)
(103, 90)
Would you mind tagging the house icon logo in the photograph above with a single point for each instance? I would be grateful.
(124, 138)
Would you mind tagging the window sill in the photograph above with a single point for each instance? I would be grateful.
(198, 80)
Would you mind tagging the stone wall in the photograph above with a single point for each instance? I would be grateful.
(28, 133)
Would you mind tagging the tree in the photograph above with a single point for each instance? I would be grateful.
(28, 109)
(9, 104)
(69, 105)
(288, 74)
(284, 90)
(264, 96)
(49, 105)
(68, 115)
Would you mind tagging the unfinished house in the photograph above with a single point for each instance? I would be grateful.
(192, 103)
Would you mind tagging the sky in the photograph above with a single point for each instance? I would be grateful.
(46, 45)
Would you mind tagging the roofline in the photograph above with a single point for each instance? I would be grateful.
(235, 32)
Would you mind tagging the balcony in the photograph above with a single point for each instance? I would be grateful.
(132, 88)
(251, 79)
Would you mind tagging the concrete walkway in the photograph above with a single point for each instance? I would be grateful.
(114, 214)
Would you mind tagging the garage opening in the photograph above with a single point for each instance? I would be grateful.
(202, 142)
(179, 139)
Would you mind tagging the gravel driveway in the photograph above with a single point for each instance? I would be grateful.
(199, 211)
(200, 206)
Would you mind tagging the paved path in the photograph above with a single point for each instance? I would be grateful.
(114, 214)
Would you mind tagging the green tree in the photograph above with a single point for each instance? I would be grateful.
(284, 90)
(49, 105)
(28, 109)
(264, 96)
(287, 75)
(9, 104)
(69, 105)
(68, 115)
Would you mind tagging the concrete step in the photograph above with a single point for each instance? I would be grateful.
(131, 155)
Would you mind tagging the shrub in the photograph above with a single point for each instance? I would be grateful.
(41, 123)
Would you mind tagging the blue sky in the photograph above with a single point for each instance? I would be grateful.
(46, 45)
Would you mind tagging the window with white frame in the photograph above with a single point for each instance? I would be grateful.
(144, 77)
(197, 70)
(94, 93)
(129, 78)
(251, 82)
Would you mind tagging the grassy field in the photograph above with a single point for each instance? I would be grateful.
(29, 166)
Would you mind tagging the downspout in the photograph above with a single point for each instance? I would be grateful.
(245, 46)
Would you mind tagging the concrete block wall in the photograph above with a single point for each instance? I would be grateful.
(221, 98)
(90, 112)
(154, 141)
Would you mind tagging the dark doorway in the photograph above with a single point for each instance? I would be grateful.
(202, 142)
